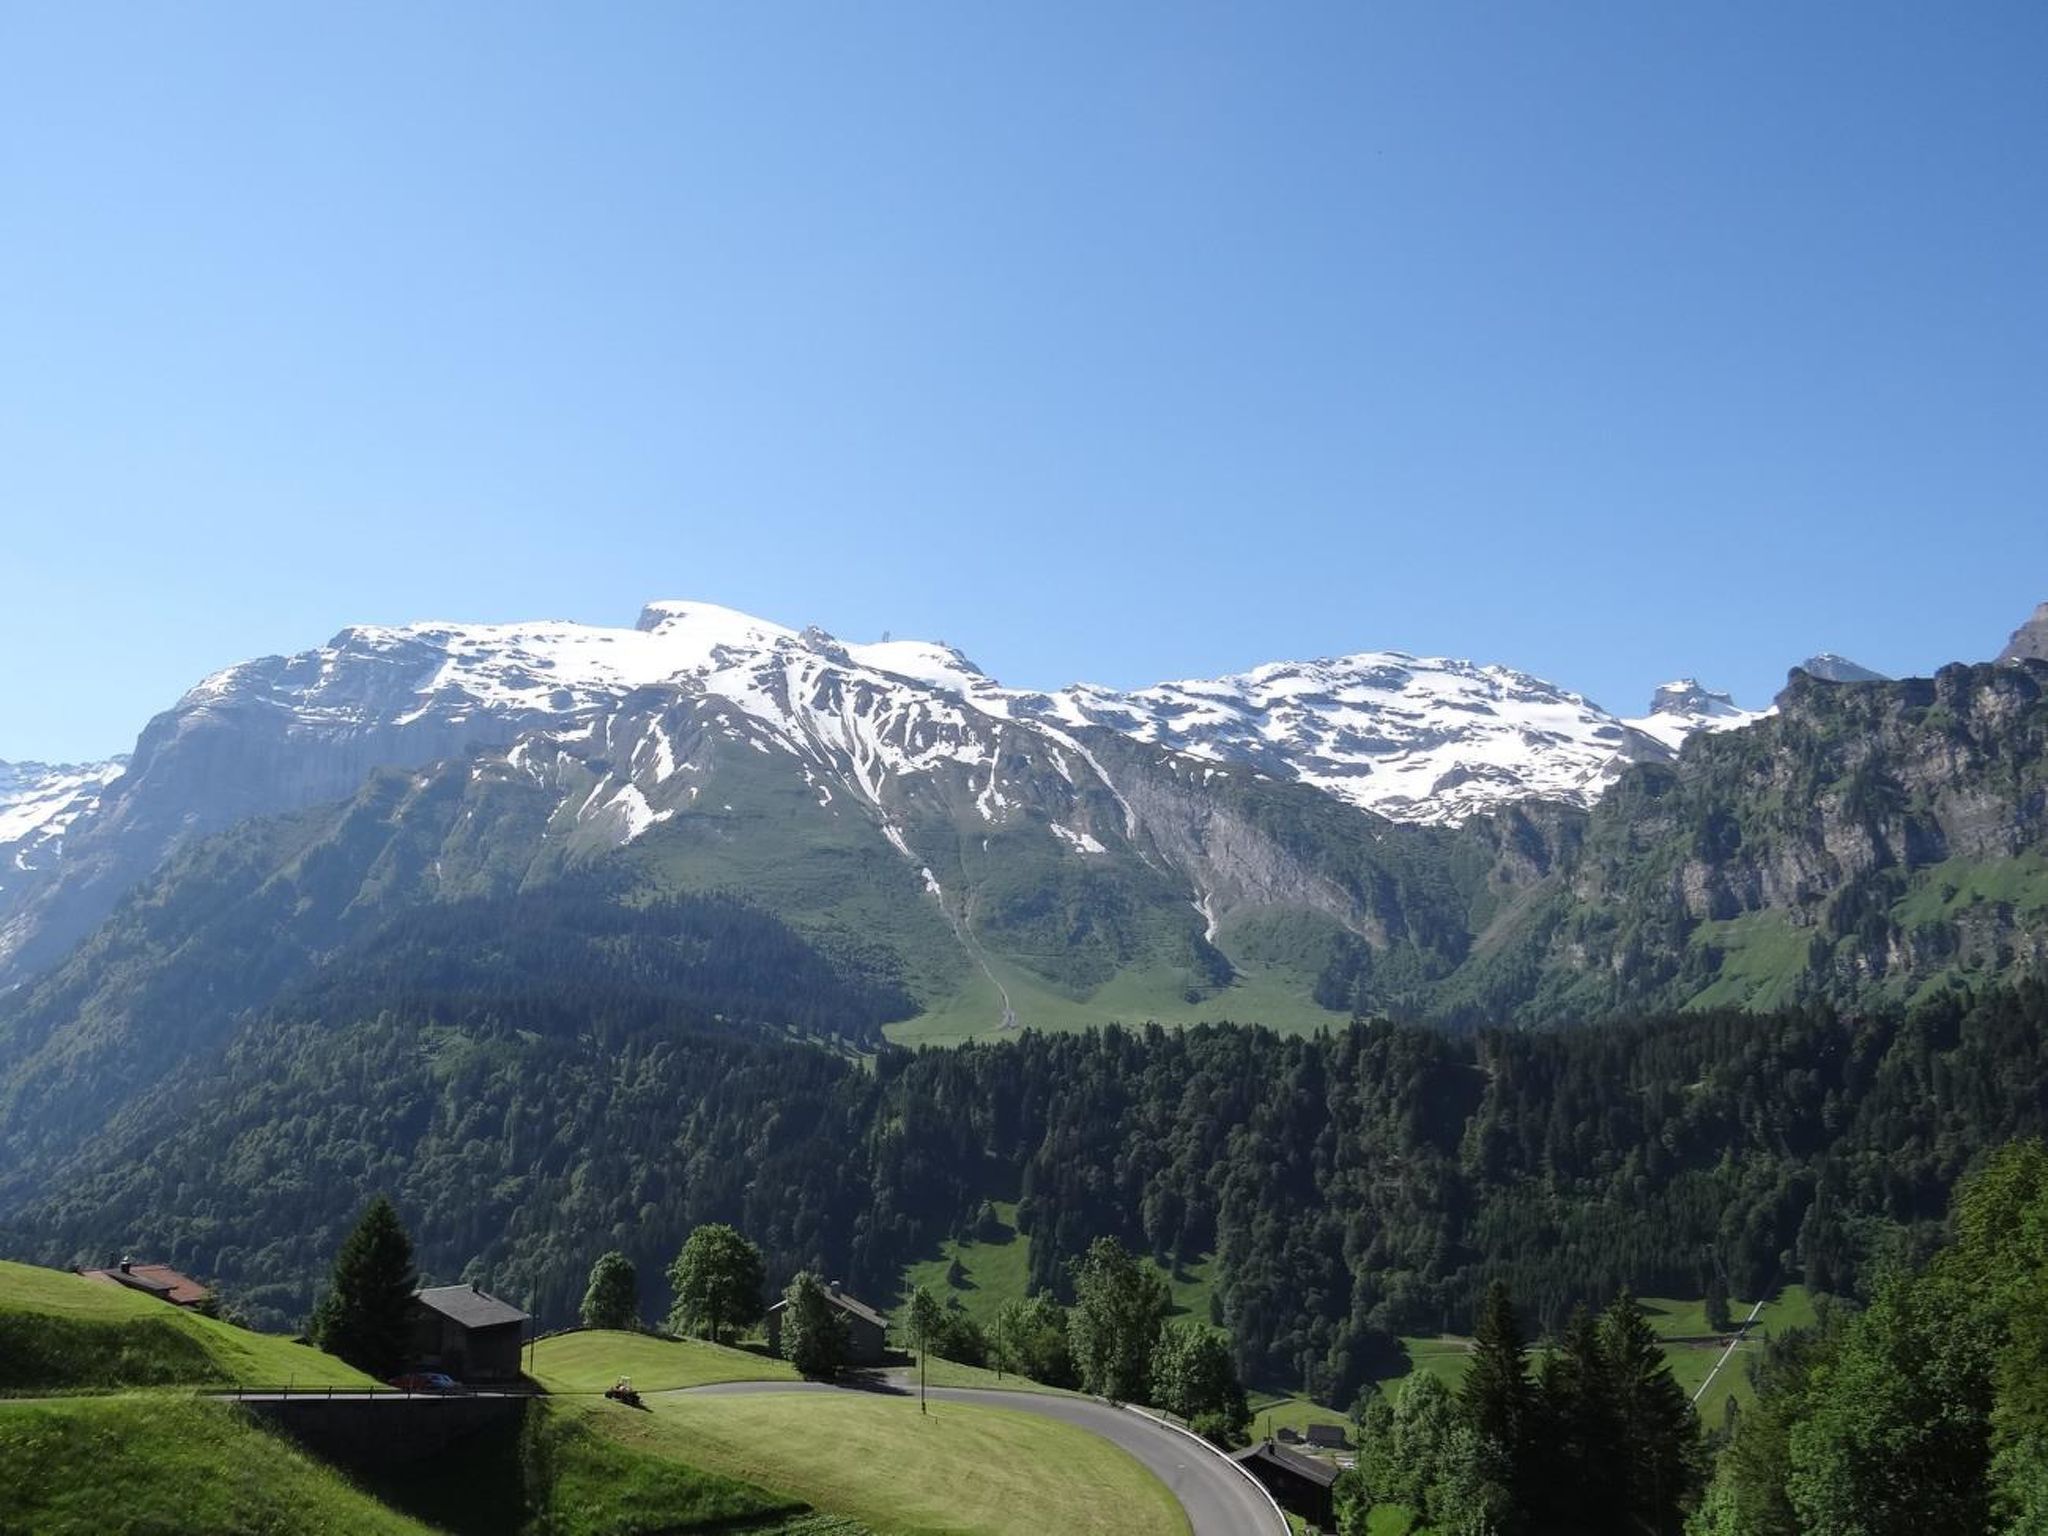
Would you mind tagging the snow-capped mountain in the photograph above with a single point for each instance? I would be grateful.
(1426, 740)
(1684, 708)
(38, 804)
(1412, 738)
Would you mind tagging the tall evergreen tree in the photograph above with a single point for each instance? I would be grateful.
(1718, 1316)
(1573, 1443)
(1658, 1457)
(365, 1317)
(1498, 1399)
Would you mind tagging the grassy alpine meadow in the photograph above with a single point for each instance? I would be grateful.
(159, 1462)
(997, 1269)
(877, 1460)
(562, 1469)
(63, 1332)
(591, 1359)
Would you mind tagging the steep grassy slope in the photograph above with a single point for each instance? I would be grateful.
(163, 1463)
(63, 1332)
(587, 1469)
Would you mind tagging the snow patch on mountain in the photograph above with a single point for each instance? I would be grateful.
(1427, 739)
(38, 804)
(1684, 708)
(1413, 738)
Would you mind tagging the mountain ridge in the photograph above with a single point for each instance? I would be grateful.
(1418, 739)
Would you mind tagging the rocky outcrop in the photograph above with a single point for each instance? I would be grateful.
(2030, 641)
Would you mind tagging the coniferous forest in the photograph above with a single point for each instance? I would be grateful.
(1350, 1186)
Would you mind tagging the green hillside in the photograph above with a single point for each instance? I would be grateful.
(591, 1359)
(63, 1332)
(162, 1463)
(584, 1469)
(959, 1468)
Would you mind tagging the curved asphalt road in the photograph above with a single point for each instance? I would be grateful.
(1220, 1499)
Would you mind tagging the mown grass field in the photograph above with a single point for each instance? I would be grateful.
(592, 1359)
(1138, 995)
(156, 1462)
(62, 1332)
(902, 1473)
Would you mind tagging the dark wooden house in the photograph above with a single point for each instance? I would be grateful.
(866, 1329)
(1300, 1484)
(467, 1333)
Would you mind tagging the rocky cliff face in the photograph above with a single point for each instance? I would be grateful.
(2030, 641)
(1867, 833)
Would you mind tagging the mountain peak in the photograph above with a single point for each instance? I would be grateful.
(1685, 706)
(2030, 641)
(1830, 668)
(1689, 696)
(711, 623)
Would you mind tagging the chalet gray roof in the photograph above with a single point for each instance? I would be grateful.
(1314, 1468)
(469, 1306)
(845, 1303)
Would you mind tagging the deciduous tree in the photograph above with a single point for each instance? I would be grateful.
(1119, 1305)
(814, 1337)
(717, 1280)
(613, 1297)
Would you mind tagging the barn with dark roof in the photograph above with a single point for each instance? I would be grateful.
(1300, 1484)
(467, 1333)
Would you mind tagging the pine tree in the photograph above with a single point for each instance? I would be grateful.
(366, 1315)
(1498, 1399)
(1657, 1461)
(1573, 1444)
(1718, 1317)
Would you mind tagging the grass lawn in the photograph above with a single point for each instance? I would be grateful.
(592, 1359)
(63, 1332)
(146, 1463)
(1695, 1348)
(951, 1373)
(1137, 995)
(1276, 1411)
(985, 1471)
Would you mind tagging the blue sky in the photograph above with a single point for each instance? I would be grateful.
(1111, 341)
